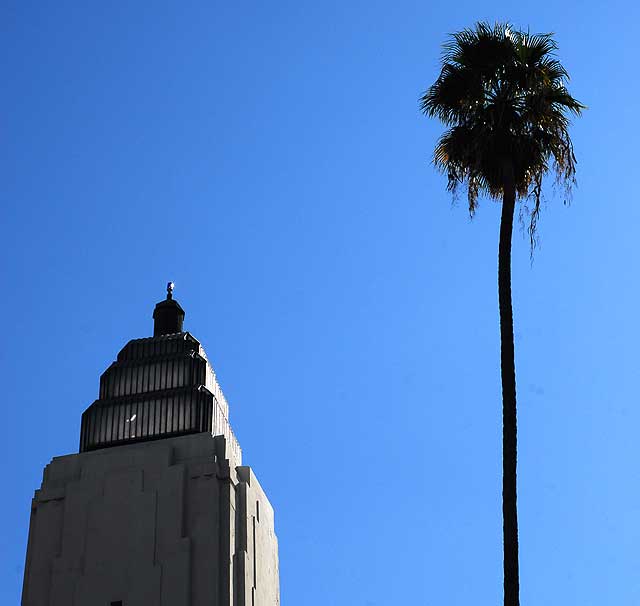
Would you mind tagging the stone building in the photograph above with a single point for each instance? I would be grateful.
(156, 509)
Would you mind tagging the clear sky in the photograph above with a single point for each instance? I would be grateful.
(269, 158)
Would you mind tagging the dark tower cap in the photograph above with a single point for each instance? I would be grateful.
(168, 316)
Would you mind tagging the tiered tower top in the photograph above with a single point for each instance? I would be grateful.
(158, 387)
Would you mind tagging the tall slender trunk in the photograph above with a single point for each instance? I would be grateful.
(509, 415)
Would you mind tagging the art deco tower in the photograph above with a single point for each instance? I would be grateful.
(157, 508)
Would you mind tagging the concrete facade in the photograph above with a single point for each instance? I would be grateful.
(164, 523)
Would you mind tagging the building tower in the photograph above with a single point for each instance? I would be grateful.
(156, 509)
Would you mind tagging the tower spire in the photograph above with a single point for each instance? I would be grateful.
(168, 316)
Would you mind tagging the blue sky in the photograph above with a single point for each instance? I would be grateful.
(271, 161)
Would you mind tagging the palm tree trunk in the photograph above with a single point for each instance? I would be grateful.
(509, 418)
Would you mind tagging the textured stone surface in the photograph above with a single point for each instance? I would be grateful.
(172, 522)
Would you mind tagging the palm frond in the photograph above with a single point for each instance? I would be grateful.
(502, 95)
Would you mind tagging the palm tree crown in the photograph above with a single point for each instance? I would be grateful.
(502, 94)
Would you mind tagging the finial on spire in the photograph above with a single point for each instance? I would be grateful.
(170, 286)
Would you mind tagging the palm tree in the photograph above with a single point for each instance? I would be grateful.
(502, 94)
